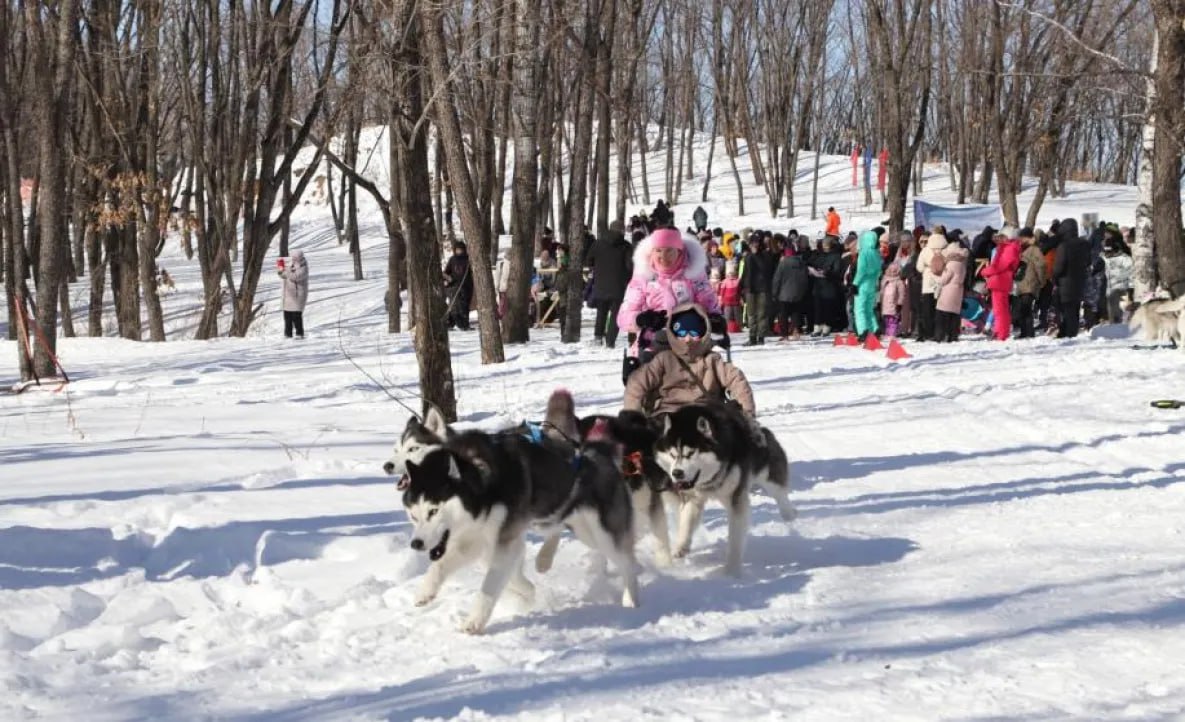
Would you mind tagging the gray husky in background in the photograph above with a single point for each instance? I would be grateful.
(714, 452)
(1161, 319)
(474, 495)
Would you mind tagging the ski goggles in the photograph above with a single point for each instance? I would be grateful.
(685, 332)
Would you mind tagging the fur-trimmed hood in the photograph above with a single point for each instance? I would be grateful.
(695, 261)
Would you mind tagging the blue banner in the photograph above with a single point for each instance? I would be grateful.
(970, 218)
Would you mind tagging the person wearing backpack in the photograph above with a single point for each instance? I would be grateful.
(1030, 277)
(927, 313)
(950, 268)
(1000, 273)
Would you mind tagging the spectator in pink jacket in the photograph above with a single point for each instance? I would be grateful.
(893, 298)
(1000, 274)
(669, 270)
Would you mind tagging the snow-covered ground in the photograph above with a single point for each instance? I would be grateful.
(197, 530)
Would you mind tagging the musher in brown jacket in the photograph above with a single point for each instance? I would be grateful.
(689, 372)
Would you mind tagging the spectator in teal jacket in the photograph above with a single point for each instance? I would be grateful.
(867, 282)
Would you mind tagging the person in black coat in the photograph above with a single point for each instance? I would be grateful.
(1071, 266)
(662, 216)
(827, 290)
(458, 287)
(757, 278)
(790, 286)
(611, 260)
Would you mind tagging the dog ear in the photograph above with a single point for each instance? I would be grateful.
(454, 471)
(435, 423)
(704, 427)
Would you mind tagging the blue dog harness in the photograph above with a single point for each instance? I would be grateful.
(534, 434)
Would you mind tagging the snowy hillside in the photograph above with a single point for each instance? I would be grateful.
(201, 530)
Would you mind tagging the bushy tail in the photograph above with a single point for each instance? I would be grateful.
(561, 417)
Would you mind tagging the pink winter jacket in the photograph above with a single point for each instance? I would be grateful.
(730, 292)
(950, 284)
(649, 290)
(892, 294)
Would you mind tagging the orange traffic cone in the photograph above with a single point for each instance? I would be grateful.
(872, 343)
(839, 340)
(852, 340)
(897, 351)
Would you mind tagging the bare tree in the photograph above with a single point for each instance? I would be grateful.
(476, 231)
(526, 93)
(901, 54)
(1169, 143)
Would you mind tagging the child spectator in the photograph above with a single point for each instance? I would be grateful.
(730, 297)
(893, 298)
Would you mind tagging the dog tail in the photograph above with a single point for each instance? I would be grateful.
(561, 417)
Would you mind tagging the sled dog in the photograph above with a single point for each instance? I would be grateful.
(714, 452)
(646, 481)
(418, 438)
(475, 495)
(1161, 319)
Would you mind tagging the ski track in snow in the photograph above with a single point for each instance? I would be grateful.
(201, 530)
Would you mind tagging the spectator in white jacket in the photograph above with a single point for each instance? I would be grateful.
(930, 285)
(1119, 278)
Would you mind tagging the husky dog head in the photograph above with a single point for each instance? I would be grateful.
(418, 438)
(685, 449)
(434, 499)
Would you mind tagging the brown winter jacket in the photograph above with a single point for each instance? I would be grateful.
(1034, 277)
(675, 387)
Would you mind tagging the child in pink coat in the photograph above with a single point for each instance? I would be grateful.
(731, 298)
(892, 297)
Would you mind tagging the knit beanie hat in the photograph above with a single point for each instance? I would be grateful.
(666, 238)
(688, 321)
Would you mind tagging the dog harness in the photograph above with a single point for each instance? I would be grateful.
(534, 434)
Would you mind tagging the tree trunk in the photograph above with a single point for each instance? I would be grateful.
(1167, 145)
(54, 59)
(425, 283)
(462, 184)
(525, 219)
(1144, 281)
(581, 146)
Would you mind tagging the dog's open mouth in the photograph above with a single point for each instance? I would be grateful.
(685, 484)
(401, 482)
(437, 551)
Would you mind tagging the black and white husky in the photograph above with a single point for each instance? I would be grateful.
(475, 495)
(633, 433)
(713, 452)
(418, 438)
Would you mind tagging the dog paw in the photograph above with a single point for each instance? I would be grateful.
(473, 626)
(789, 513)
(733, 570)
(628, 600)
(681, 551)
(424, 598)
(525, 592)
(662, 558)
